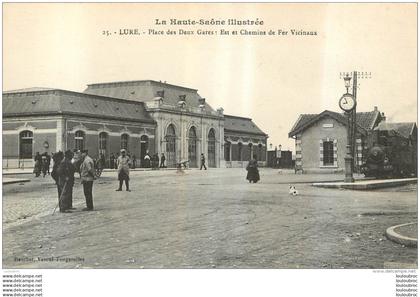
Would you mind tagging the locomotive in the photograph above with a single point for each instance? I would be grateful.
(389, 154)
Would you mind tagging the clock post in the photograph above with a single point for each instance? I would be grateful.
(348, 159)
(348, 104)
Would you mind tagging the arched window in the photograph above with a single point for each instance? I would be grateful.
(192, 147)
(103, 142)
(240, 151)
(124, 141)
(260, 152)
(79, 140)
(170, 139)
(212, 148)
(25, 144)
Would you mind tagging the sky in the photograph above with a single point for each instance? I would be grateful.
(269, 78)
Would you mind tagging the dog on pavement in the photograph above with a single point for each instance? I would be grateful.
(293, 191)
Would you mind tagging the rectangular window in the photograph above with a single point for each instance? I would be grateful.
(328, 153)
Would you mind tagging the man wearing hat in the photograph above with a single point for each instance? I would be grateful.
(87, 175)
(123, 163)
(65, 172)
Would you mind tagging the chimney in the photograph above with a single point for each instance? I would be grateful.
(375, 108)
(383, 116)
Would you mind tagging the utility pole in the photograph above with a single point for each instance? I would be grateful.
(353, 122)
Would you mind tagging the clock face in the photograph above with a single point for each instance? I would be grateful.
(347, 102)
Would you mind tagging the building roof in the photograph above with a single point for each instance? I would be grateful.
(34, 89)
(405, 129)
(243, 125)
(146, 90)
(56, 101)
(364, 120)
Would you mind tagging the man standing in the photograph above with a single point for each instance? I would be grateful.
(147, 160)
(156, 161)
(48, 163)
(38, 164)
(65, 173)
(111, 161)
(203, 162)
(87, 175)
(102, 161)
(162, 161)
(57, 158)
(134, 161)
(44, 164)
(123, 163)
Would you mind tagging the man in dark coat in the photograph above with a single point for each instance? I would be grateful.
(65, 172)
(162, 160)
(134, 162)
(203, 162)
(38, 164)
(57, 158)
(111, 161)
(44, 162)
(48, 163)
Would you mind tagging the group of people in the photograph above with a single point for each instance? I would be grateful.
(42, 164)
(153, 161)
(68, 163)
(148, 161)
(64, 168)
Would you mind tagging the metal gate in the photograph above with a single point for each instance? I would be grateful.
(170, 146)
(192, 147)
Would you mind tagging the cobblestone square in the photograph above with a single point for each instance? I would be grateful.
(206, 219)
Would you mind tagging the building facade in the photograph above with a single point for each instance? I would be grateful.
(50, 120)
(243, 140)
(141, 116)
(321, 140)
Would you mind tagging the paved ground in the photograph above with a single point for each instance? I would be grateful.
(206, 219)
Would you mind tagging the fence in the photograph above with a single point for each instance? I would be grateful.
(14, 162)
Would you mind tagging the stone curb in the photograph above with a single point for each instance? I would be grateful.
(368, 185)
(391, 234)
(8, 181)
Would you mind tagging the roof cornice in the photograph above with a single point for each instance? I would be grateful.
(139, 82)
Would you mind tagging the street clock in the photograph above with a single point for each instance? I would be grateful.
(347, 102)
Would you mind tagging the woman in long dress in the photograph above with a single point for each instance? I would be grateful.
(253, 174)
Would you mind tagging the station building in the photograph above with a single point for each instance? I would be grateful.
(321, 140)
(140, 116)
